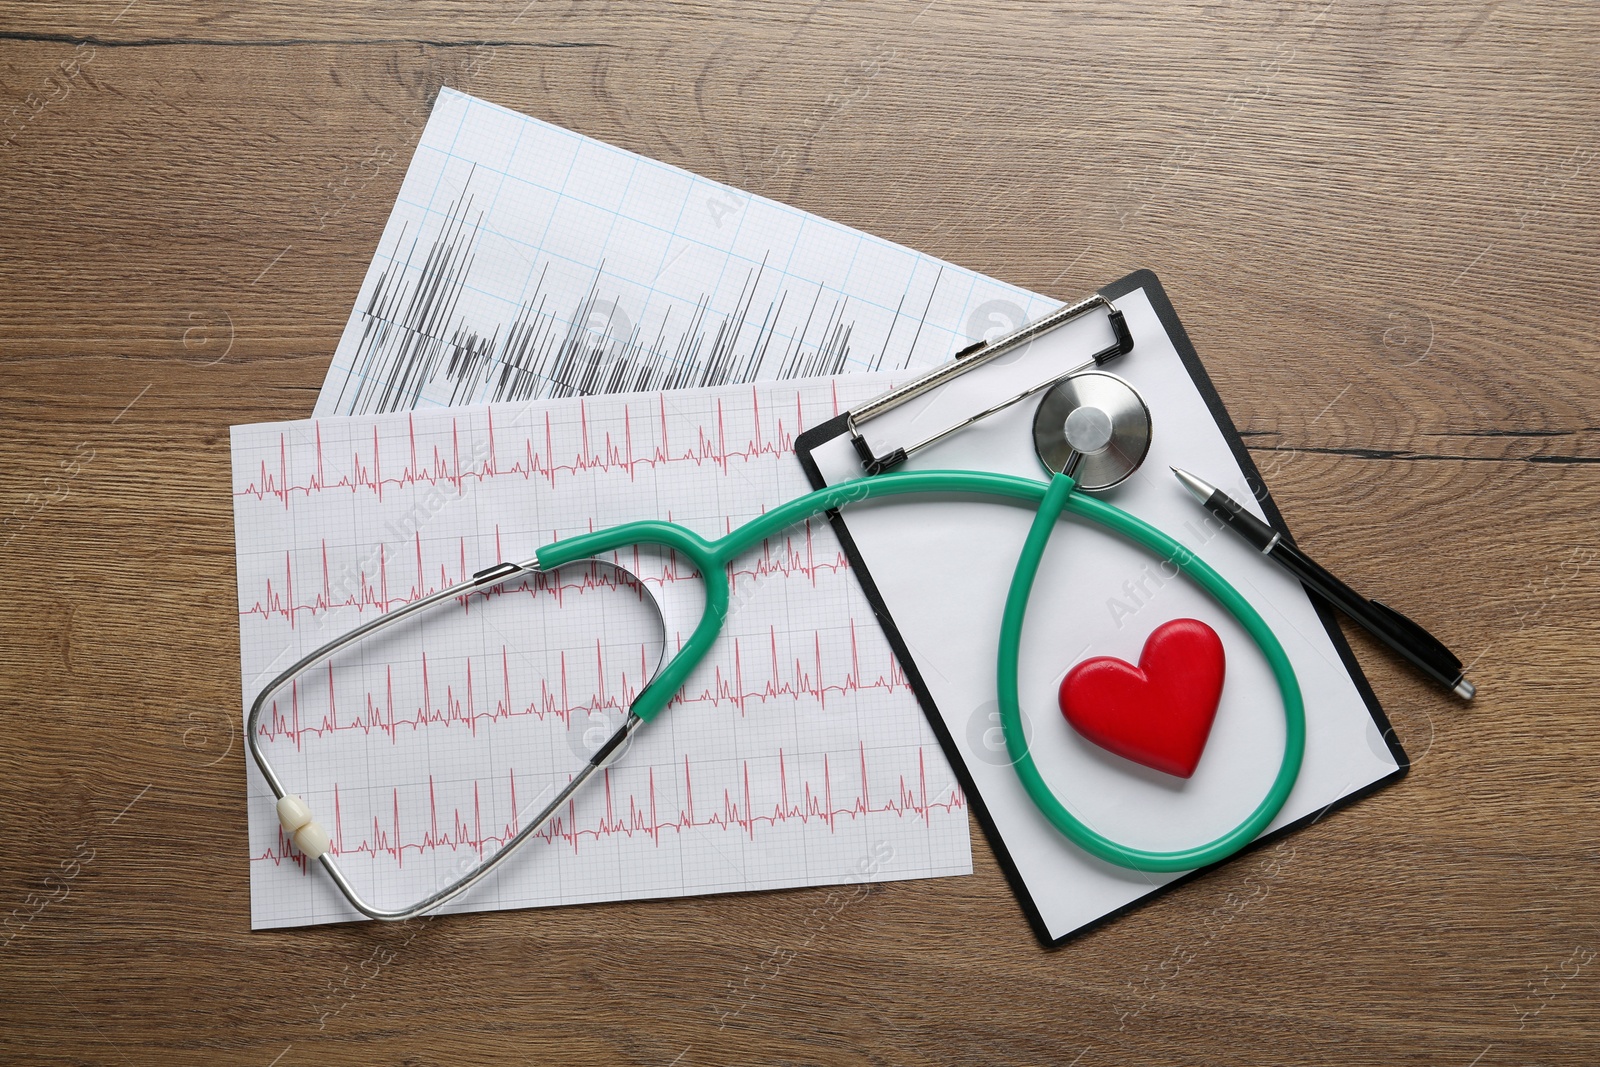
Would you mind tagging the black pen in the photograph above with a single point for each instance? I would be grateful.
(1426, 652)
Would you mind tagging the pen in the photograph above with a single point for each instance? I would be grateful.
(1425, 652)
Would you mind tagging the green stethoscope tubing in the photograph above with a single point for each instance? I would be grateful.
(1054, 499)
(712, 557)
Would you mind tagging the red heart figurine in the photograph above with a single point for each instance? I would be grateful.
(1159, 713)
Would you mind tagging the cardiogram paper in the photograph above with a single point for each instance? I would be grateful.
(795, 755)
(526, 260)
(523, 261)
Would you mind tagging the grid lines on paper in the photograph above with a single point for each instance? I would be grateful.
(524, 261)
(794, 752)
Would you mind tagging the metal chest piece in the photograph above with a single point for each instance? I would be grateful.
(1093, 426)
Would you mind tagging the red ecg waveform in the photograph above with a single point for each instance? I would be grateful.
(772, 680)
(710, 447)
(788, 558)
(630, 816)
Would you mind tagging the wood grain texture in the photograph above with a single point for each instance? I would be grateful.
(1379, 222)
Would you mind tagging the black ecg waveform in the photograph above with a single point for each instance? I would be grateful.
(412, 336)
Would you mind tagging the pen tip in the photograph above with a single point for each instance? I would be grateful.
(1201, 491)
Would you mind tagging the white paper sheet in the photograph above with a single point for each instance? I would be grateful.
(1098, 595)
(525, 260)
(797, 756)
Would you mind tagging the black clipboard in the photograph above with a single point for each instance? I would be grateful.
(808, 441)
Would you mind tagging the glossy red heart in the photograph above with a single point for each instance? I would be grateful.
(1159, 713)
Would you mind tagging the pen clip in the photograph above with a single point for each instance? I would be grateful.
(1425, 643)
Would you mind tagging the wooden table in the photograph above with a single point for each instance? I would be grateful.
(1380, 224)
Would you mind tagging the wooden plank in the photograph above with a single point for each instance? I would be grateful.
(1379, 225)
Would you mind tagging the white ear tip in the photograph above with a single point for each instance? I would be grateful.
(293, 813)
(312, 840)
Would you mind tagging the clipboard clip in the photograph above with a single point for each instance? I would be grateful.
(971, 358)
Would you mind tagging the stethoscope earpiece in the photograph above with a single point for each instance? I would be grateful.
(316, 843)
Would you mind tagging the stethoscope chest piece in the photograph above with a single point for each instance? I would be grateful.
(1093, 426)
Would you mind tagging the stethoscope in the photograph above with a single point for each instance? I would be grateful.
(1091, 431)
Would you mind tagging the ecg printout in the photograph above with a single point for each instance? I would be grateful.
(795, 755)
(524, 260)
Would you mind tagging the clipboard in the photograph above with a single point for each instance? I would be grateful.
(1063, 892)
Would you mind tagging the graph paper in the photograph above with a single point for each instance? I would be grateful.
(523, 260)
(796, 755)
